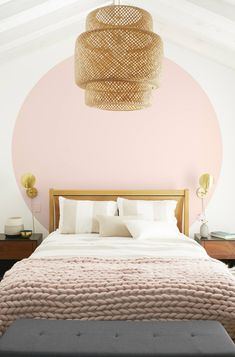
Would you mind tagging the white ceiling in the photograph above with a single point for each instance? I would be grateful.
(205, 26)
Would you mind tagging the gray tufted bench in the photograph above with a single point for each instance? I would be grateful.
(58, 338)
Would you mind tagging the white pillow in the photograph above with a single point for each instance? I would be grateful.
(162, 210)
(80, 216)
(151, 229)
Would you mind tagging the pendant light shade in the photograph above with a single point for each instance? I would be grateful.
(118, 58)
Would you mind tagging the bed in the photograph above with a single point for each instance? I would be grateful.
(86, 277)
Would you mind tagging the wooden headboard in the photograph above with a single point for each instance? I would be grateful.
(181, 196)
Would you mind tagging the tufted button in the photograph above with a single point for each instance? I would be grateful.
(41, 333)
(78, 334)
(193, 335)
(116, 335)
(154, 335)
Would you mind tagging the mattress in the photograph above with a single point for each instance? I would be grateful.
(81, 245)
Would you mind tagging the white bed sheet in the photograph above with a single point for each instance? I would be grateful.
(81, 245)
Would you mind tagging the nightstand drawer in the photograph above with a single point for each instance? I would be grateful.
(222, 249)
(16, 249)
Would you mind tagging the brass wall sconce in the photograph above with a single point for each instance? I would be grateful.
(28, 181)
(206, 182)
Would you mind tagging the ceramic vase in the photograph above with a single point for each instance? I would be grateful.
(13, 226)
(204, 230)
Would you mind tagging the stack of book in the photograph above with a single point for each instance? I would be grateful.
(223, 235)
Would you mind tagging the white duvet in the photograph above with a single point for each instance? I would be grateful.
(57, 244)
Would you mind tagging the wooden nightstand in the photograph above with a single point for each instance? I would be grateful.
(12, 250)
(220, 249)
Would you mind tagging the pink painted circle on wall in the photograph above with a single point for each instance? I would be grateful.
(66, 144)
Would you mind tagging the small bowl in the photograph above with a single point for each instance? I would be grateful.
(26, 233)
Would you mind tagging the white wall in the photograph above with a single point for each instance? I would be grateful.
(18, 76)
(219, 84)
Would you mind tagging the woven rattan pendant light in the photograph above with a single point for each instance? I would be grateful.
(118, 58)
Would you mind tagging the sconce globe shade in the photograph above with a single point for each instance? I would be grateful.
(28, 180)
(206, 182)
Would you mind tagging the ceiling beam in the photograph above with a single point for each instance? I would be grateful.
(44, 9)
(23, 31)
(194, 27)
(2, 2)
(183, 22)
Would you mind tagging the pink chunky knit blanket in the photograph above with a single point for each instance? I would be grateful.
(118, 289)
